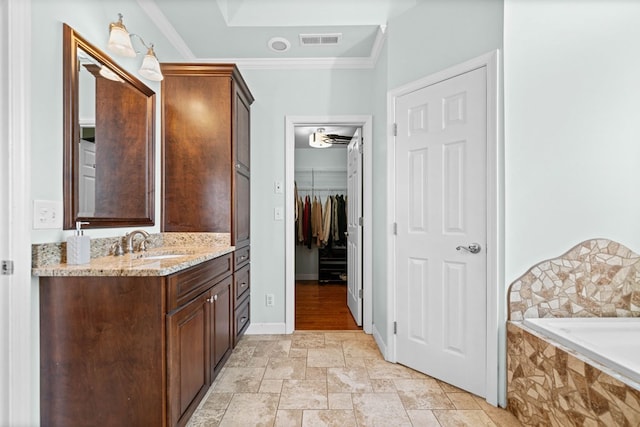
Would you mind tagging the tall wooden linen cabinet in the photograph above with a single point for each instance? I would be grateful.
(205, 163)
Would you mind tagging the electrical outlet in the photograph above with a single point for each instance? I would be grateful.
(47, 214)
(269, 300)
(278, 187)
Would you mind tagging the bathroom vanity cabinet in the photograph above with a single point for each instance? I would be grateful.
(206, 175)
(133, 350)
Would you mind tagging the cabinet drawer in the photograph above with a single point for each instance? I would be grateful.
(243, 314)
(242, 283)
(189, 283)
(242, 256)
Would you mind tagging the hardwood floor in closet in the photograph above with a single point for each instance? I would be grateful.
(322, 307)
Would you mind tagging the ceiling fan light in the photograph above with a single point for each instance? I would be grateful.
(119, 40)
(318, 140)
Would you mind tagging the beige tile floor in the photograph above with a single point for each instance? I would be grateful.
(332, 379)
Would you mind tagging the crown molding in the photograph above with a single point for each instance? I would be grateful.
(294, 63)
(312, 63)
(157, 17)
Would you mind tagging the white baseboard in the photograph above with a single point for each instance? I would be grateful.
(266, 329)
(381, 345)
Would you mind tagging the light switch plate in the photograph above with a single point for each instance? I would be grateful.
(278, 213)
(47, 214)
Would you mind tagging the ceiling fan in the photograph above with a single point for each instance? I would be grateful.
(319, 139)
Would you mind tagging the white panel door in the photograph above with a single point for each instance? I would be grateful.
(354, 228)
(440, 215)
(87, 181)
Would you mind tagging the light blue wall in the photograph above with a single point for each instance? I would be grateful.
(279, 93)
(572, 133)
(90, 18)
(438, 34)
(379, 202)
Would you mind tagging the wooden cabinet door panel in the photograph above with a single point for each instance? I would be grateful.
(188, 355)
(242, 219)
(222, 330)
(197, 153)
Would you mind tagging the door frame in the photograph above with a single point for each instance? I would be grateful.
(495, 359)
(19, 364)
(365, 122)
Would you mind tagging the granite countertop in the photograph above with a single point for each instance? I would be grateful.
(169, 253)
(139, 264)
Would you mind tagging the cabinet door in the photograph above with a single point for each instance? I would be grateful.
(221, 321)
(188, 355)
(242, 166)
(242, 221)
(196, 153)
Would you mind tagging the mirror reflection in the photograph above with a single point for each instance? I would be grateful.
(109, 135)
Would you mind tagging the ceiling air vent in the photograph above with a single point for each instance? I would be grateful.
(320, 39)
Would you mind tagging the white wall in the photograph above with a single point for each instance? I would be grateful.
(572, 127)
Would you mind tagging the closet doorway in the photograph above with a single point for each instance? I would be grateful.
(321, 186)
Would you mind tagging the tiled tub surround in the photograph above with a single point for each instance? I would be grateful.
(48, 259)
(551, 385)
(597, 278)
(548, 383)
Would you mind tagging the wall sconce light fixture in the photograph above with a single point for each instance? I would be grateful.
(120, 43)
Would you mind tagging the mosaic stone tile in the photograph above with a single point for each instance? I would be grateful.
(597, 278)
(550, 386)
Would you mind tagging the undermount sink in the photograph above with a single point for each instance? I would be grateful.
(163, 256)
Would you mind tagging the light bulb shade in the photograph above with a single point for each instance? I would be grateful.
(108, 74)
(318, 140)
(150, 68)
(119, 40)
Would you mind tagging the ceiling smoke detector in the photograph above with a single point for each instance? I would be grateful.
(320, 39)
(279, 44)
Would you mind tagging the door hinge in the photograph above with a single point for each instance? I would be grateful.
(395, 129)
(395, 228)
(395, 328)
(7, 268)
(359, 293)
(360, 221)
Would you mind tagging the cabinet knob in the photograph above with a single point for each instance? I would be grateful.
(243, 319)
(243, 284)
(215, 297)
(210, 300)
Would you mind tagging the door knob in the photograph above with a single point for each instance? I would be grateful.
(474, 248)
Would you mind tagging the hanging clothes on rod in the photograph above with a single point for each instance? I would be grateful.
(321, 223)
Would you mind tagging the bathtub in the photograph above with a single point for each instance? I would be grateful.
(613, 341)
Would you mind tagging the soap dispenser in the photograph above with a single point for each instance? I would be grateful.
(78, 246)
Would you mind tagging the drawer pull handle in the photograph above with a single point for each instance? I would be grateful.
(243, 319)
(242, 257)
(243, 284)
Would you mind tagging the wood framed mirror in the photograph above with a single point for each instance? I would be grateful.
(109, 134)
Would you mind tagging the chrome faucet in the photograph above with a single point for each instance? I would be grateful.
(128, 240)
